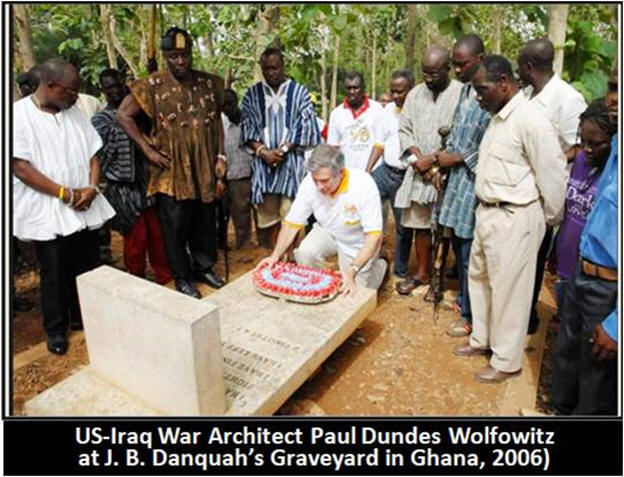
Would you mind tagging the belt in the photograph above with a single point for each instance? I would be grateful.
(396, 170)
(503, 204)
(604, 273)
(494, 204)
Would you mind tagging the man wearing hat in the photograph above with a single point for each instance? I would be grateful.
(185, 149)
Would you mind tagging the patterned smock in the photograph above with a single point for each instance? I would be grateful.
(186, 123)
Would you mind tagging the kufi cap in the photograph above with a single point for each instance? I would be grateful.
(175, 39)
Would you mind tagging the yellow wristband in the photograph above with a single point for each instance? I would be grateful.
(61, 193)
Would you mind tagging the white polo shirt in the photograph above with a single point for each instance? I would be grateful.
(351, 213)
(392, 145)
(356, 134)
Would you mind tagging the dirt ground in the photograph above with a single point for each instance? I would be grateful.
(399, 362)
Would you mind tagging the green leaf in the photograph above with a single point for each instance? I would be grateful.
(595, 82)
(439, 13)
(590, 65)
(339, 23)
(580, 87)
(592, 43)
(450, 26)
(609, 50)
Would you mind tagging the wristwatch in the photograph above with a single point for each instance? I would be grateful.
(284, 148)
(355, 268)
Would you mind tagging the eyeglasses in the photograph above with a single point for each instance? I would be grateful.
(432, 74)
(72, 92)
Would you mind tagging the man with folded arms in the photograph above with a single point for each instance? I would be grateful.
(56, 200)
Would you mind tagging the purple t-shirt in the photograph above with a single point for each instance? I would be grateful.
(579, 202)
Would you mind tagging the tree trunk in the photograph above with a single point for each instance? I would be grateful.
(497, 20)
(105, 14)
(410, 41)
(374, 68)
(120, 49)
(266, 23)
(557, 21)
(209, 45)
(334, 84)
(24, 36)
(323, 84)
(388, 54)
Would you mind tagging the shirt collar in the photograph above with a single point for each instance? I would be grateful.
(360, 111)
(280, 91)
(511, 105)
(548, 90)
(344, 184)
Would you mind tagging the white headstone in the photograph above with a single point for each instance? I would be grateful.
(156, 344)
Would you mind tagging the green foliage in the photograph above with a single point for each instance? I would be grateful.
(226, 37)
(590, 49)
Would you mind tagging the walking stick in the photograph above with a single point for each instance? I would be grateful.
(222, 221)
(440, 247)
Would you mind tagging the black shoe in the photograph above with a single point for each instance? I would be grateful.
(76, 325)
(186, 287)
(210, 278)
(57, 344)
(22, 304)
(533, 325)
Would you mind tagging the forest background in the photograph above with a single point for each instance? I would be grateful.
(320, 41)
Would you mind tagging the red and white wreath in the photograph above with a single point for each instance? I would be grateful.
(297, 283)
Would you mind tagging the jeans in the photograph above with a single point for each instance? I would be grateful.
(461, 248)
(388, 182)
(580, 384)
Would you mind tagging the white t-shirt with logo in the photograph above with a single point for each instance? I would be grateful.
(356, 136)
(351, 213)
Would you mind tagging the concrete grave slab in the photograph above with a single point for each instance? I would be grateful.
(268, 348)
(86, 394)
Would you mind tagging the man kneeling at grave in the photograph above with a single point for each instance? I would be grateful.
(346, 205)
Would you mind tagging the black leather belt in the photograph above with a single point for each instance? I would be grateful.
(494, 204)
(396, 170)
(503, 204)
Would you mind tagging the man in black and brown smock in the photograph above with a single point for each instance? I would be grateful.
(185, 149)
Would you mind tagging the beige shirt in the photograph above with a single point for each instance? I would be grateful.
(520, 159)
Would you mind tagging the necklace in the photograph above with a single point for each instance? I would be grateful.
(36, 101)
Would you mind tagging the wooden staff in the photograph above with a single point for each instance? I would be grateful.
(440, 246)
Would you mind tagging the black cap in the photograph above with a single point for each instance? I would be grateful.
(22, 78)
(175, 39)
